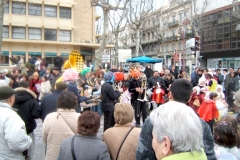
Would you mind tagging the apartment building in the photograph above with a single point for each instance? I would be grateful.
(165, 31)
(47, 27)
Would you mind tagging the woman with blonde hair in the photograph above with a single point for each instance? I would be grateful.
(122, 139)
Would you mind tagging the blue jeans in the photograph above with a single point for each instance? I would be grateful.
(98, 109)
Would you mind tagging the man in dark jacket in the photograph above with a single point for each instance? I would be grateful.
(109, 98)
(57, 75)
(49, 102)
(181, 90)
(196, 77)
(148, 71)
(174, 72)
(28, 109)
(152, 81)
(58, 61)
(228, 78)
(31, 60)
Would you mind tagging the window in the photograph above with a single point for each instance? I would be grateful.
(65, 35)
(173, 19)
(149, 36)
(18, 8)
(65, 12)
(6, 8)
(35, 33)
(166, 48)
(180, 17)
(35, 9)
(5, 33)
(50, 11)
(173, 47)
(152, 35)
(186, 14)
(50, 34)
(179, 46)
(18, 33)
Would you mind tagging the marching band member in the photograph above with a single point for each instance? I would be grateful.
(109, 98)
(135, 87)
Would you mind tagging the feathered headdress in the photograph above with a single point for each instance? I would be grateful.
(85, 71)
(70, 75)
(119, 76)
(135, 73)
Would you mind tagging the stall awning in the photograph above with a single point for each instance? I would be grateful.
(86, 53)
(35, 53)
(64, 54)
(18, 53)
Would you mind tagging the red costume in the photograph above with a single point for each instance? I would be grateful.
(208, 110)
(194, 96)
(157, 95)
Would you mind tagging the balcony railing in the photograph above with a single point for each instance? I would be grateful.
(173, 24)
(151, 53)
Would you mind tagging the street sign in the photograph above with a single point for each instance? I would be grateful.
(105, 58)
(190, 43)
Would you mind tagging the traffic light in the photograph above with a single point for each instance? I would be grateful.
(197, 46)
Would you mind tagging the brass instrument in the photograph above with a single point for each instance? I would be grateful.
(143, 96)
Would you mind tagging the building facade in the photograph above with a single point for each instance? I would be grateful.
(165, 31)
(46, 27)
(221, 38)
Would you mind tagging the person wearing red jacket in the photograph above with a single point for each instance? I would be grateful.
(35, 84)
(208, 110)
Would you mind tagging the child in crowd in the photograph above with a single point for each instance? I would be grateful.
(208, 110)
(225, 139)
(222, 106)
(195, 101)
(203, 88)
(126, 96)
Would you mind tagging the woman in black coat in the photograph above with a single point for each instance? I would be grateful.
(233, 86)
(148, 71)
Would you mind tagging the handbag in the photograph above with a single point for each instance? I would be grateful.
(123, 142)
(196, 102)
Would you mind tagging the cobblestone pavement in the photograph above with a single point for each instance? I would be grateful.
(39, 152)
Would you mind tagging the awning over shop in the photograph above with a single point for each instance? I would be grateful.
(5, 53)
(18, 53)
(64, 54)
(35, 53)
(50, 54)
(86, 53)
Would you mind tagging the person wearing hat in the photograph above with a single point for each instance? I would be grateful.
(13, 137)
(56, 76)
(49, 102)
(109, 98)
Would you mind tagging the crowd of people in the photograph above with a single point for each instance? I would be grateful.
(172, 105)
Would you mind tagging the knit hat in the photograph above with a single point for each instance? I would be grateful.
(61, 86)
(109, 77)
(55, 68)
(6, 92)
(85, 71)
(237, 98)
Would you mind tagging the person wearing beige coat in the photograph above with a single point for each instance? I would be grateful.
(60, 125)
(114, 136)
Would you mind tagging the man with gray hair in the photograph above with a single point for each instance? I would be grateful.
(13, 137)
(180, 92)
(176, 139)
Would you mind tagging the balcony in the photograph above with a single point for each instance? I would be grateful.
(173, 24)
(150, 53)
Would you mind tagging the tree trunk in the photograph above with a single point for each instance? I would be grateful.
(116, 49)
(2, 2)
(137, 41)
(104, 38)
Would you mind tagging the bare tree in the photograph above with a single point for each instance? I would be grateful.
(116, 21)
(138, 11)
(106, 7)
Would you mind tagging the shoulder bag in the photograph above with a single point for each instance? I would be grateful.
(123, 142)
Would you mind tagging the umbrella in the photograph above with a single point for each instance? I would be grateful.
(144, 59)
